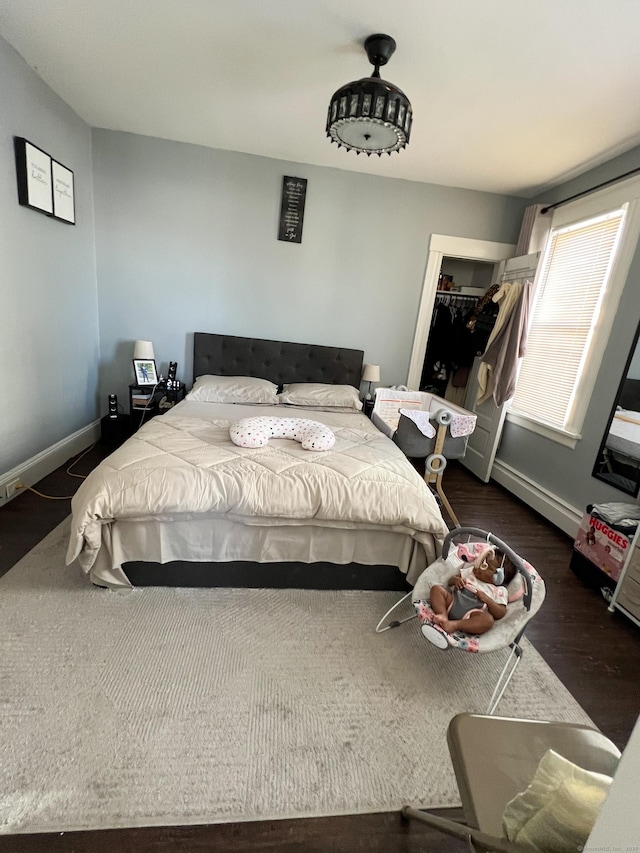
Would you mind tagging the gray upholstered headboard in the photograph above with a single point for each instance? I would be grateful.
(278, 361)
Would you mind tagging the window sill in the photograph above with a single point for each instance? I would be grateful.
(564, 437)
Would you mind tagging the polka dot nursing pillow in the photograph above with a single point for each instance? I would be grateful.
(256, 432)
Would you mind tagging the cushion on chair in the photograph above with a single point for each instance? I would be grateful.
(559, 808)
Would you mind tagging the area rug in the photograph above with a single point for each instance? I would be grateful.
(182, 706)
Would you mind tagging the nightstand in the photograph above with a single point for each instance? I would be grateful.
(143, 405)
(367, 407)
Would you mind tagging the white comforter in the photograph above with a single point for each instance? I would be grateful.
(184, 462)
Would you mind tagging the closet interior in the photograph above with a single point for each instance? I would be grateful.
(462, 320)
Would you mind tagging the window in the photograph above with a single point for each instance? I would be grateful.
(581, 275)
(572, 283)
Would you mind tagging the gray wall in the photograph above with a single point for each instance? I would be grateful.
(48, 296)
(566, 472)
(187, 241)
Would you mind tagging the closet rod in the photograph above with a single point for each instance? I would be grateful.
(443, 294)
(592, 190)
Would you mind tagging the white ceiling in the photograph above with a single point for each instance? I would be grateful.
(509, 96)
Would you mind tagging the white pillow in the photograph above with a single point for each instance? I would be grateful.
(559, 808)
(233, 389)
(318, 395)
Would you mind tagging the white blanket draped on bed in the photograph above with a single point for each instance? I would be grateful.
(184, 463)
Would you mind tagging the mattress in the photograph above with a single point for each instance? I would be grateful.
(624, 434)
(180, 489)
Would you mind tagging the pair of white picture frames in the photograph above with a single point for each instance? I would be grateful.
(44, 184)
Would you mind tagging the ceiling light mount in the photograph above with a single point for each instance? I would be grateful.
(371, 116)
(380, 49)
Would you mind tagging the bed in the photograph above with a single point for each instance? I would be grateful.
(618, 461)
(624, 434)
(180, 504)
(620, 457)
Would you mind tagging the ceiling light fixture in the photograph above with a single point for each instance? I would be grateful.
(371, 116)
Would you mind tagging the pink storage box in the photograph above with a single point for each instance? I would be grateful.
(604, 547)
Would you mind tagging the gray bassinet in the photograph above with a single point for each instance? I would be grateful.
(414, 444)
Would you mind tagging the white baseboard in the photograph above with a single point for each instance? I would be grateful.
(550, 506)
(39, 466)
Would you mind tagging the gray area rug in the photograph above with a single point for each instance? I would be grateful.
(175, 706)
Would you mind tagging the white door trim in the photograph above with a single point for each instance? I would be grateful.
(440, 246)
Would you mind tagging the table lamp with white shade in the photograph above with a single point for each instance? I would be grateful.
(144, 349)
(371, 373)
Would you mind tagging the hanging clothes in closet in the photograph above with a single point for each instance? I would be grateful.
(460, 327)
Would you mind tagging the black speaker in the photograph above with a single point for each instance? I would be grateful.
(113, 431)
(171, 375)
(113, 407)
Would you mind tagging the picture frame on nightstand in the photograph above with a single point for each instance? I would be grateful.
(145, 371)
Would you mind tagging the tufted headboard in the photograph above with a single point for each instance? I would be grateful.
(278, 361)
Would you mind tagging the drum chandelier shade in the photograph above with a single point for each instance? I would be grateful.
(371, 116)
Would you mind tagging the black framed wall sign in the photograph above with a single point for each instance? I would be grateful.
(33, 169)
(63, 194)
(294, 192)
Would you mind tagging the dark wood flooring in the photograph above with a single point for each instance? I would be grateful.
(594, 652)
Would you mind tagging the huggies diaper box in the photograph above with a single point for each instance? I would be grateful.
(602, 545)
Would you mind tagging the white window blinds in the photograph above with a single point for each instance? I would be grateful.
(572, 284)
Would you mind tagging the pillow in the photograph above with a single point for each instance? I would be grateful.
(316, 395)
(256, 432)
(559, 808)
(234, 389)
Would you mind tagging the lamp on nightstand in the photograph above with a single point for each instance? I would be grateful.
(144, 349)
(371, 373)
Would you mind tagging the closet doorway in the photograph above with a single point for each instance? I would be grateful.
(454, 249)
(458, 332)
(494, 255)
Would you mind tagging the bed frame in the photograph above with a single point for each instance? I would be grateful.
(280, 362)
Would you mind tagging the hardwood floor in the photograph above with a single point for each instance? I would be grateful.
(594, 652)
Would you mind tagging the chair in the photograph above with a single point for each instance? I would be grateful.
(526, 594)
(495, 758)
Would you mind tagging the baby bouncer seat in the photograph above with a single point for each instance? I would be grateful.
(526, 592)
